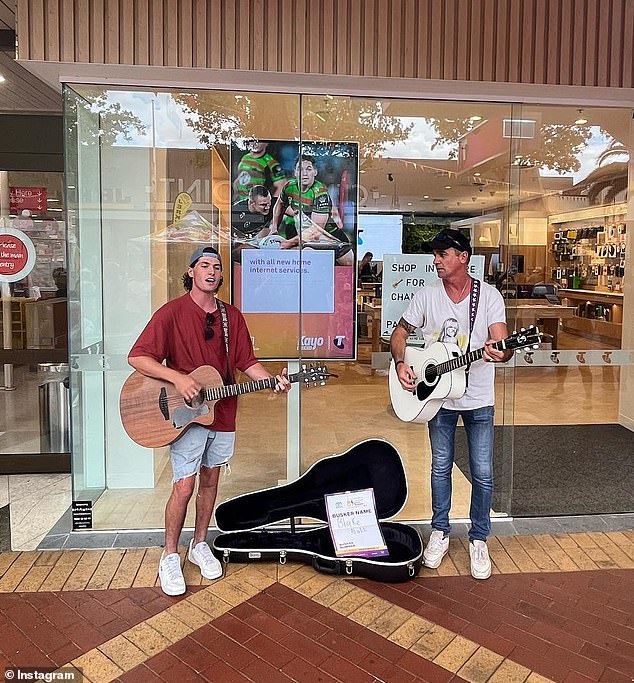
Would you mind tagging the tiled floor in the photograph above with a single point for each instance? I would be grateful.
(557, 608)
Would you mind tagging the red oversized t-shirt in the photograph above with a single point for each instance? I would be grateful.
(176, 335)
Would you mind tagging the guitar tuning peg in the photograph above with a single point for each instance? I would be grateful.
(535, 346)
(523, 329)
(518, 350)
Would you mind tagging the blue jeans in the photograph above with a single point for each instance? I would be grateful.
(442, 430)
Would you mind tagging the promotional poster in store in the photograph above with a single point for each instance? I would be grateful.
(403, 276)
(293, 238)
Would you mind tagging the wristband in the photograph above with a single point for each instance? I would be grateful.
(397, 363)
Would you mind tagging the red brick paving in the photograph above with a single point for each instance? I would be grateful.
(241, 646)
(570, 627)
(565, 626)
(51, 629)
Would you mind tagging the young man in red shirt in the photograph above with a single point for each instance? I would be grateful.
(186, 333)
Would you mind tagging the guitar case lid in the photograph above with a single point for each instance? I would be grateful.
(374, 464)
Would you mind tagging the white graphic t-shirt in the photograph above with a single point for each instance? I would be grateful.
(440, 319)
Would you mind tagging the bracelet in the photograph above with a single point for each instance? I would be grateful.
(397, 363)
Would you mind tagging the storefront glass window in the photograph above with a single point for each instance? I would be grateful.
(152, 181)
(573, 416)
(294, 191)
(422, 166)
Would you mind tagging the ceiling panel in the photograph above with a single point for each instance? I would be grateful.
(7, 15)
(22, 92)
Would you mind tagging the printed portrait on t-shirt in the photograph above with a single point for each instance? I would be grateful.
(450, 333)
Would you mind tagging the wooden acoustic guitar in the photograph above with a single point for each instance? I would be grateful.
(154, 414)
(440, 372)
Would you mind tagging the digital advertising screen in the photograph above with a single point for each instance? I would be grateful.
(293, 246)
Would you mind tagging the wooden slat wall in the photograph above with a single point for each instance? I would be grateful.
(567, 42)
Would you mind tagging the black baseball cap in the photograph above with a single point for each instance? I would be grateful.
(204, 251)
(448, 237)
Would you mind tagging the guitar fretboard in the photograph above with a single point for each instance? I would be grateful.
(459, 361)
(216, 393)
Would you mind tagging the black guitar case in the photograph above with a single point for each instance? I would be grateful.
(372, 464)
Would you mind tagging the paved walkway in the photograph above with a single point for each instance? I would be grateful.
(558, 608)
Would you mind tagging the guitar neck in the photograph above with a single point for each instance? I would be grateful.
(467, 359)
(217, 393)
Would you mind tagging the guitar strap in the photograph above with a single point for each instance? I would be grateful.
(473, 311)
(225, 333)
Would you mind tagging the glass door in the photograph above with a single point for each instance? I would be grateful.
(34, 418)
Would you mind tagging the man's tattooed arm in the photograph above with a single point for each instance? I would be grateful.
(406, 326)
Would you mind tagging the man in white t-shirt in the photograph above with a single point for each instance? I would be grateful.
(442, 312)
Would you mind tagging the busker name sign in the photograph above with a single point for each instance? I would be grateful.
(17, 255)
(354, 526)
(403, 276)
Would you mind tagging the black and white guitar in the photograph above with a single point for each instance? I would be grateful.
(440, 372)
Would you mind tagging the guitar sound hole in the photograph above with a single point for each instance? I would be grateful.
(197, 401)
(430, 374)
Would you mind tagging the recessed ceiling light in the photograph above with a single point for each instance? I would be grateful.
(409, 203)
(2, 78)
(365, 115)
(475, 118)
(477, 175)
(362, 170)
(447, 187)
(425, 196)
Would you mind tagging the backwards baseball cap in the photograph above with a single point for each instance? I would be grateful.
(449, 238)
(204, 251)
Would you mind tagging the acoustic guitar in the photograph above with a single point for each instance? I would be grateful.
(154, 414)
(440, 371)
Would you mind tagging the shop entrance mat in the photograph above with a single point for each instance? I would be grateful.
(560, 469)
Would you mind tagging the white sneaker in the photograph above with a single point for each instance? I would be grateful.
(171, 575)
(201, 555)
(480, 560)
(436, 549)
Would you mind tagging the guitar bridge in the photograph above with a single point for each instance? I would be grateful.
(164, 408)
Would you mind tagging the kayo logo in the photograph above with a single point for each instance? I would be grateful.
(310, 343)
(339, 341)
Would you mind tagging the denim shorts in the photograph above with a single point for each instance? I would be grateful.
(199, 446)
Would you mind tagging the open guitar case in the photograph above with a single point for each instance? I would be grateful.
(246, 520)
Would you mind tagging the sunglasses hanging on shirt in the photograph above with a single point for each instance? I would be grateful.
(209, 330)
